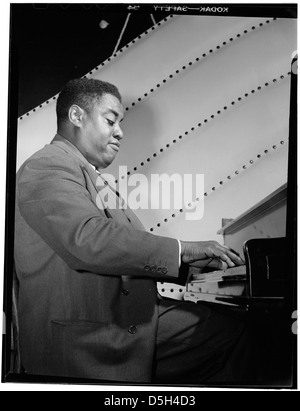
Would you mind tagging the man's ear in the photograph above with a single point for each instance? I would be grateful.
(76, 115)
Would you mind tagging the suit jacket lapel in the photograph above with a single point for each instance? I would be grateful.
(125, 215)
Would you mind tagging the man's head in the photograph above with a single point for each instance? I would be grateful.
(89, 113)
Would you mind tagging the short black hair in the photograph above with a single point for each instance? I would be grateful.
(84, 92)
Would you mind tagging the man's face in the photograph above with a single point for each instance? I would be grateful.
(101, 132)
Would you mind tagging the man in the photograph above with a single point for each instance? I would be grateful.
(88, 304)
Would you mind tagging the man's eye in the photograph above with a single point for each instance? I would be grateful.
(110, 122)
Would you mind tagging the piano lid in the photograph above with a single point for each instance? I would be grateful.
(275, 199)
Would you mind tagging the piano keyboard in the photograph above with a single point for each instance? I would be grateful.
(238, 272)
(206, 286)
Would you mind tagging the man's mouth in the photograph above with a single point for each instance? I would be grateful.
(115, 146)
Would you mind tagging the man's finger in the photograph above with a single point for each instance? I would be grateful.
(232, 255)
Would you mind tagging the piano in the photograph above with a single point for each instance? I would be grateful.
(258, 292)
(259, 236)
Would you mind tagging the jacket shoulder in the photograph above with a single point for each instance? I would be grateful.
(49, 157)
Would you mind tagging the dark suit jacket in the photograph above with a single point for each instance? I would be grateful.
(87, 299)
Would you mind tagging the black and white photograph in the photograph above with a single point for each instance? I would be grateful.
(150, 199)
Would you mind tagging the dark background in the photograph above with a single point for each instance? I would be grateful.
(54, 43)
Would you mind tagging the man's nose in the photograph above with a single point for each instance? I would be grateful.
(118, 132)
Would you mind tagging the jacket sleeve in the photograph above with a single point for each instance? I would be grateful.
(54, 202)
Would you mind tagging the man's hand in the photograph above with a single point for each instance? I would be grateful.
(209, 254)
